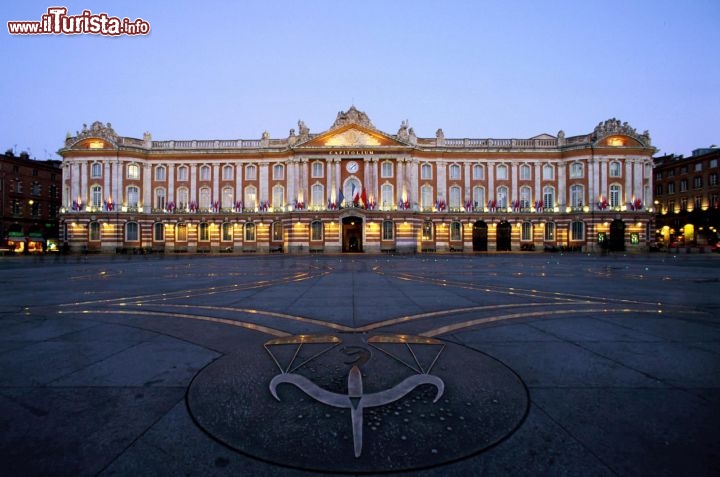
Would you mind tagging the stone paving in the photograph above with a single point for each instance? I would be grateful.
(428, 365)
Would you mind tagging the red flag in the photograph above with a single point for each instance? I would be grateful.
(356, 199)
(363, 197)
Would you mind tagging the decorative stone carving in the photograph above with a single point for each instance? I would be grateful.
(403, 133)
(561, 138)
(352, 115)
(97, 129)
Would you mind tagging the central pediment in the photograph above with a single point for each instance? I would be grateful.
(351, 135)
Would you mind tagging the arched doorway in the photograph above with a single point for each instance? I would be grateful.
(504, 237)
(480, 236)
(352, 234)
(617, 236)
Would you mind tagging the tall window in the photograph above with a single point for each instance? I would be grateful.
(550, 231)
(96, 170)
(182, 198)
(455, 198)
(204, 232)
(160, 173)
(318, 170)
(501, 172)
(525, 172)
(387, 169)
(683, 185)
(479, 197)
(671, 187)
(526, 231)
(96, 196)
(182, 173)
(132, 232)
(227, 232)
(615, 170)
(133, 171)
(386, 197)
(181, 233)
(454, 172)
(94, 231)
(278, 196)
(456, 231)
(251, 172)
(158, 232)
(204, 173)
(548, 196)
(250, 198)
(427, 231)
(615, 195)
(316, 230)
(525, 196)
(502, 197)
(317, 196)
(133, 196)
(228, 194)
(478, 172)
(697, 182)
(577, 230)
(426, 197)
(548, 172)
(204, 198)
(160, 198)
(388, 229)
(426, 171)
(576, 170)
(228, 172)
(576, 195)
(278, 172)
(249, 232)
(277, 231)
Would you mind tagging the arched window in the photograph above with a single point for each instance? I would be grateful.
(277, 231)
(204, 232)
(478, 198)
(251, 172)
(205, 173)
(525, 197)
(351, 189)
(316, 230)
(455, 198)
(160, 198)
(133, 171)
(182, 173)
(96, 170)
(502, 197)
(548, 197)
(94, 231)
(576, 170)
(501, 172)
(182, 198)
(204, 198)
(454, 172)
(478, 172)
(426, 197)
(426, 171)
(386, 169)
(388, 230)
(525, 172)
(132, 232)
(548, 172)
(615, 169)
(228, 172)
(133, 196)
(160, 173)
(181, 232)
(227, 232)
(387, 197)
(427, 230)
(317, 170)
(228, 196)
(278, 196)
(317, 196)
(577, 195)
(278, 172)
(96, 196)
(456, 231)
(615, 195)
(249, 232)
(158, 232)
(250, 198)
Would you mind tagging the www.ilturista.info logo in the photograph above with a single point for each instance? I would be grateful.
(57, 22)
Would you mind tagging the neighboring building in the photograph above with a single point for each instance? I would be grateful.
(30, 200)
(687, 198)
(354, 188)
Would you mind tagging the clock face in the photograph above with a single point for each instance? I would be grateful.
(352, 167)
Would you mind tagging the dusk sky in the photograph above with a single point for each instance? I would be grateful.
(479, 69)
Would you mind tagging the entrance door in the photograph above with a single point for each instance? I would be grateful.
(480, 236)
(504, 234)
(617, 236)
(352, 234)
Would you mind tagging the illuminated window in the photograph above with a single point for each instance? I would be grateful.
(158, 232)
(316, 230)
(94, 231)
(456, 231)
(204, 173)
(96, 170)
(227, 232)
(387, 197)
(96, 196)
(526, 231)
(181, 233)
(277, 231)
(204, 198)
(616, 141)
(427, 231)
(550, 231)
(387, 169)
(133, 171)
(615, 195)
(250, 198)
(132, 232)
(228, 194)
(388, 230)
(317, 196)
(278, 196)
(204, 232)
(250, 232)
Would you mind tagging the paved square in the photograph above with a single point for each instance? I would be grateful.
(431, 365)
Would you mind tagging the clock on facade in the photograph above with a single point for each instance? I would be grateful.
(352, 167)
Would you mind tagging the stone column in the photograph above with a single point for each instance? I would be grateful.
(216, 181)
(193, 183)
(171, 183)
(147, 188)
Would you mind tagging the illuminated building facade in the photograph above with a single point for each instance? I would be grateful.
(354, 188)
(687, 198)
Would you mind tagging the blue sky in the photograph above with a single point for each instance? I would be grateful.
(228, 70)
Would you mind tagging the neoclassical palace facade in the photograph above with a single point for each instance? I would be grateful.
(354, 188)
